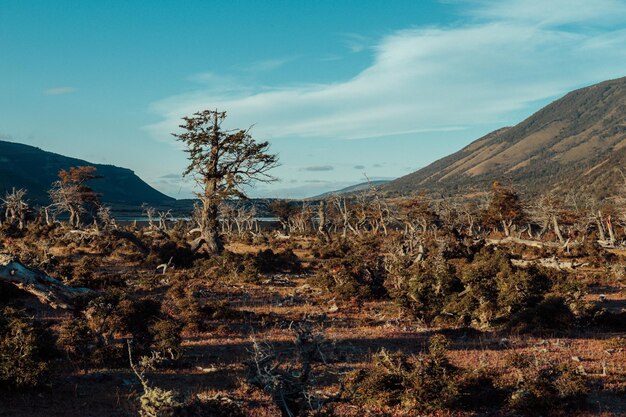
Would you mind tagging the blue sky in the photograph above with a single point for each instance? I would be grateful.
(339, 88)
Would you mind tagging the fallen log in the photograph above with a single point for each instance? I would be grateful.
(526, 242)
(550, 263)
(47, 289)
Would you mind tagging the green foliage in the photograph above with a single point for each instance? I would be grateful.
(488, 292)
(229, 266)
(157, 402)
(166, 338)
(423, 383)
(359, 273)
(26, 350)
(424, 289)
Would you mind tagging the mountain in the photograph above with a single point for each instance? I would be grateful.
(351, 189)
(23, 166)
(577, 141)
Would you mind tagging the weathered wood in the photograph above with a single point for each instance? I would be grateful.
(550, 263)
(47, 289)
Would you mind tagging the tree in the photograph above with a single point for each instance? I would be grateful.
(223, 162)
(505, 208)
(283, 210)
(70, 194)
(15, 207)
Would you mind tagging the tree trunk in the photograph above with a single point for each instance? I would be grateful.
(557, 230)
(210, 227)
(322, 227)
(506, 227)
(600, 227)
(47, 289)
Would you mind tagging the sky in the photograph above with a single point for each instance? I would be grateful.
(343, 90)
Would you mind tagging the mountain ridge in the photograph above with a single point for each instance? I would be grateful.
(34, 169)
(581, 135)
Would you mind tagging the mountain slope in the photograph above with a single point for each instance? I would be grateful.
(352, 189)
(580, 137)
(23, 166)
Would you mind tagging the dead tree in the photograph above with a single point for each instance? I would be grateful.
(47, 289)
(15, 207)
(164, 217)
(322, 222)
(290, 384)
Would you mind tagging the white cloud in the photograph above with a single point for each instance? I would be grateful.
(552, 12)
(57, 91)
(437, 78)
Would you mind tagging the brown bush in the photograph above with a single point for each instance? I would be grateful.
(26, 350)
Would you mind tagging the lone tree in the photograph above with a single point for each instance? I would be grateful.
(505, 208)
(70, 194)
(222, 162)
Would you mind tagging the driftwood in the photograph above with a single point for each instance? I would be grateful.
(47, 289)
(550, 263)
(606, 244)
(526, 242)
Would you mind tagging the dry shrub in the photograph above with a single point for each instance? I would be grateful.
(179, 253)
(292, 376)
(423, 289)
(545, 389)
(214, 406)
(26, 350)
(424, 382)
(488, 292)
(229, 266)
(194, 313)
(78, 341)
(166, 338)
(140, 318)
(358, 274)
(268, 261)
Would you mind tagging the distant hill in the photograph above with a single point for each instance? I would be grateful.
(577, 141)
(351, 189)
(23, 166)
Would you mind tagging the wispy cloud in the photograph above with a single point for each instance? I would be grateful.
(57, 91)
(356, 42)
(432, 79)
(318, 168)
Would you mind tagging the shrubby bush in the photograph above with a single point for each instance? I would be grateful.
(425, 382)
(194, 313)
(359, 273)
(487, 292)
(429, 382)
(140, 318)
(423, 288)
(26, 350)
(545, 389)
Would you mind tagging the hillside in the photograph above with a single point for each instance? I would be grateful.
(352, 189)
(580, 137)
(23, 166)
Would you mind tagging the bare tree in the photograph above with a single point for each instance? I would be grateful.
(223, 162)
(291, 385)
(15, 207)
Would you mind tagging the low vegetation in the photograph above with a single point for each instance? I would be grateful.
(363, 305)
